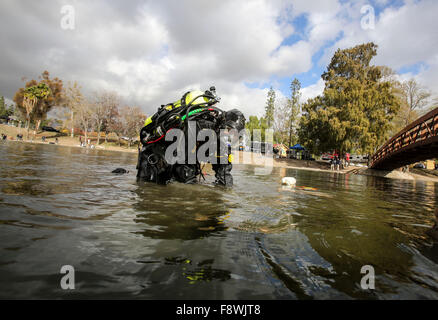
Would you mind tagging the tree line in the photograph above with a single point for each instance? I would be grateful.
(101, 112)
(361, 107)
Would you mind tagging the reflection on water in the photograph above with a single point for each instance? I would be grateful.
(259, 240)
(191, 214)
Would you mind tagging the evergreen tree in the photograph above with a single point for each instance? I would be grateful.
(3, 110)
(255, 123)
(356, 108)
(294, 108)
(270, 108)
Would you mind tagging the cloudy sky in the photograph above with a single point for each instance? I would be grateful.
(151, 52)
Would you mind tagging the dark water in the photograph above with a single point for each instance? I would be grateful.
(61, 206)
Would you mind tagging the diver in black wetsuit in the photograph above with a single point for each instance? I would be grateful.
(195, 112)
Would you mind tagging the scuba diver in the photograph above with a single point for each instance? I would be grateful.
(195, 112)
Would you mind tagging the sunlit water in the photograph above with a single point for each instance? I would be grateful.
(62, 206)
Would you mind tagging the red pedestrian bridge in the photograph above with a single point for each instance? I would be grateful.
(416, 142)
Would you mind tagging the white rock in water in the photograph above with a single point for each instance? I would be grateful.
(289, 181)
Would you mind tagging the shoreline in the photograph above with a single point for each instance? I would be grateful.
(254, 158)
(317, 166)
(99, 148)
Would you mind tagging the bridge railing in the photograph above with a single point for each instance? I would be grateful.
(416, 132)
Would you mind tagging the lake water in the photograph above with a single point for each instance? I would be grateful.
(62, 206)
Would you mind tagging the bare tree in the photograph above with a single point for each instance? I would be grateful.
(83, 111)
(111, 119)
(103, 109)
(116, 126)
(132, 119)
(281, 121)
(434, 104)
(415, 98)
(73, 98)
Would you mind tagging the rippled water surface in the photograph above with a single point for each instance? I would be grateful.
(62, 206)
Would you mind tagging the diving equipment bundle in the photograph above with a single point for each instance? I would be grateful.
(185, 118)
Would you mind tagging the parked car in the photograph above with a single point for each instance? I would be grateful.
(358, 158)
(329, 156)
(49, 129)
(419, 166)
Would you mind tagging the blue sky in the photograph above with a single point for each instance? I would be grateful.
(311, 77)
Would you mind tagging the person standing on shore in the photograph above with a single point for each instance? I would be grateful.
(80, 141)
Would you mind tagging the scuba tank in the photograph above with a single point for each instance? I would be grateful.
(174, 115)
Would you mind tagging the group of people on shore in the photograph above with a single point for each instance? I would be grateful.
(43, 139)
(85, 143)
(338, 164)
(4, 137)
(19, 137)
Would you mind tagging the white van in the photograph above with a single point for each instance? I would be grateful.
(357, 158)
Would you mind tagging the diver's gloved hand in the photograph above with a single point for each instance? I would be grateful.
(223, 174)
(185, 173)
(153, 168)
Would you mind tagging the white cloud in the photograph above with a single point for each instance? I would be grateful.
(296, 58)
(153, 52)
(429, 76)
(312, 91)
(317, 6)
(407, 35)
